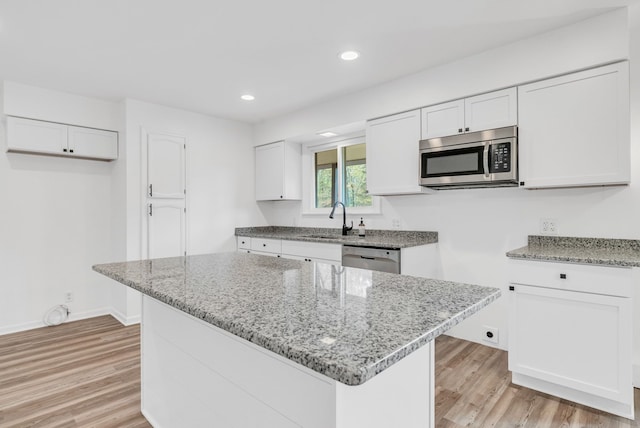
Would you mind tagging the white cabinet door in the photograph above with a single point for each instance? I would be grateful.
(493, 110)
(36, 136)
(165, 166)
(270, 172)
(279, 171)
(166, 229)
(443, 119)
(93, 143)
(393, 163)
(574, 129)
(576, 340)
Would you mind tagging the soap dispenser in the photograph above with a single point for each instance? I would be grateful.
(361, 228)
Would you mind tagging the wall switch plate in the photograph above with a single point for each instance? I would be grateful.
(490, 334)
(68, 297)
(548, 226)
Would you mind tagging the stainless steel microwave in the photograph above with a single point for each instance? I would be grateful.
(475, 159)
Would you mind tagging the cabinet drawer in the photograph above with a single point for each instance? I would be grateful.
(313, 250)
(613, 281)
(244, 243)
(266, 245)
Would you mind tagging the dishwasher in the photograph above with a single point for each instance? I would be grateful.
(373, 258)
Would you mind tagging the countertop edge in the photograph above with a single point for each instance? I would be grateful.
(373, 239)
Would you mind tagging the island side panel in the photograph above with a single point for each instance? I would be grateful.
(401, 396)
(194, 374)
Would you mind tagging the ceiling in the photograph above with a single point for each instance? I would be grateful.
(201, 55)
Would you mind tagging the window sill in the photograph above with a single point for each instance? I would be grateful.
(350, 211)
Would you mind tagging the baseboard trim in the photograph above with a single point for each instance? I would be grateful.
(125, 320)
(73, 316)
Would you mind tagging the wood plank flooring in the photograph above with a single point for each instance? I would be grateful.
(79, 374)
(474, 389)
(87, 374)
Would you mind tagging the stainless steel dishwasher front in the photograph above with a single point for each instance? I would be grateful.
(373, 258)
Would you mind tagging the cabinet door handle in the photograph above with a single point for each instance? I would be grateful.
(280, 196)
(459, 130)
(64, 150)
(512, 288)
(466, 129)
(243, 242)
(70, 150)
(151, 192)
(264, 245)
(563, 276)
(151, 210)
(522, 183)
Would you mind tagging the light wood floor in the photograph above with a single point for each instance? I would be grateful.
(474, 389)
(79, 374)
(87, 374)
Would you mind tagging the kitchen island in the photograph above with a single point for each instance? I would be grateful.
(246, 340)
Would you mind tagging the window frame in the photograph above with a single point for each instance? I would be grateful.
(309, 178)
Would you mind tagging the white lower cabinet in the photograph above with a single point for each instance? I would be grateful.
(312, 251)
(570, 332)
(295, 250)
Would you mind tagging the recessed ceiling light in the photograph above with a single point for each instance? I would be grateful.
(349, 55)
(327, 134)
(248, 97)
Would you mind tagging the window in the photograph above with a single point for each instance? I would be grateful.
(340, 174)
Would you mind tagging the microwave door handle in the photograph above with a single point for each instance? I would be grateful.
(485, 158)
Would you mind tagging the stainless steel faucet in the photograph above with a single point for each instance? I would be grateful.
(345, 228)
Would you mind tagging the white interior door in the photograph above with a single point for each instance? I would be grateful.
(166, 166)
(165, 195)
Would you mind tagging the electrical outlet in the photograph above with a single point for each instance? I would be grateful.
(68, 297)
(490, 334)
(395, 223)
(548, 226)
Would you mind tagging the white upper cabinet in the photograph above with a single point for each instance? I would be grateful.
(37, 136)
(493, 110)
(278, 171)
(487, 111)
(92, 143)
(392, 154)
(443, 119)
(26, 135)
(574, 129)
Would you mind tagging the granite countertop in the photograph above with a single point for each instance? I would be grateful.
(345, 323)
(598, 251)
(373, 238)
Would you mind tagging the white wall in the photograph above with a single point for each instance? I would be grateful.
(60, 216)
(55, 218)
(220, 183)
(476, 227)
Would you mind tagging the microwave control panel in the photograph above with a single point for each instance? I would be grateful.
(500, 157)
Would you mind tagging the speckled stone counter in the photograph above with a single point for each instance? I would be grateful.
(348, 324)
(373, 238)
(599, 251)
